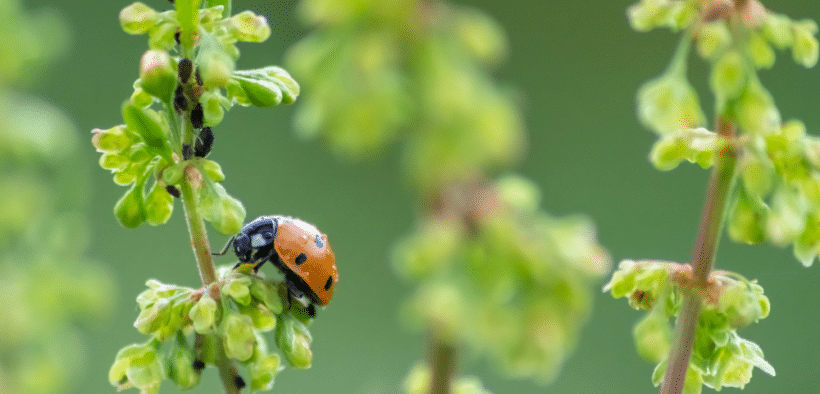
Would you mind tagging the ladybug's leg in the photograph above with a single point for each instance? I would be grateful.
(259, 264)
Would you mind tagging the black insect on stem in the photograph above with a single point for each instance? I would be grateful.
(180, 101)
(186, 152)
(184, 69)
(239, 382)
(176, 37)
(204, 142)
(198, 77)
(197, 116)
(172, 190)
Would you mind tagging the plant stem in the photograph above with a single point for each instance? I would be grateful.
(717, 193)
(442, 364)
(199, 236)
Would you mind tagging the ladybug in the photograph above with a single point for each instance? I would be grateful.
(294, 246)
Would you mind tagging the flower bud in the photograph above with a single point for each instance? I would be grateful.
(158, 73)
(756, 112)
(668, 103)
(212, 170)
(713, 38)
(115, 139)
(130, 209)
(519, 192)
(264, 370)
(757, 178)
(746, 222)
(162, 36)
(215, 66)
(646, 15)
(250, 27)
(777, 29)
(145, 122)
(653, 337)
(760, 51)
(728, 78)
(137, 18)
(263, 319)
(171, 175)
(267, 294)
(269, 86)
(137, 366)
(158, 205)
(805, 47)
(180, 365)
(203, 315)
(226, 213)
(239, 290)
(239, 337)
(212, 107)
(293, 340)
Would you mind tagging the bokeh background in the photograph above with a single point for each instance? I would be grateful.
(576, 66)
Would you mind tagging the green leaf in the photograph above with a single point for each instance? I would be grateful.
(269, 86)
(130, 209)
(148, 125)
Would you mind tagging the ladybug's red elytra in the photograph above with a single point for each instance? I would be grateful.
(294, 246)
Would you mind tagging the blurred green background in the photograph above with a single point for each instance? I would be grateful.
(576, 66)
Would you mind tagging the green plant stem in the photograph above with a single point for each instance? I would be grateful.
(711, 221)
(442, 364)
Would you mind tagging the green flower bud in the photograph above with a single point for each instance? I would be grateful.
(137, 18)
(480, 35)
(713, 38)
(180, 364)
(786, 219)
(729, 75)
(430, 250)
(114, 162)
(215, 65)
(137, 366)
(667, 153)
(669, 103)
(756, 112)
(239, 290)
(146, 123)
(761, 52)
(680, 15)
(212, 170)
(203, 315)
(212, 107)
(745, 221)
(647, 14)
(250, 27)
(154, 317)
(161, 36)
(757, 178)
(115, 139)
(239, 337)
(130, 209)
(172, 175)
(263, 319)
(158, 74)
(778, 30)
(264, 371)
(692, 385)
(293, 340)
(805, 48)
(268, 294)
(158, 205)
(140, 97)
(266, 87)
(226, 213)
(519, 192)
(653, 337)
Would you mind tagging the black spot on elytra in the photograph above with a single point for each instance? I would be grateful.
(319, 241)
(301, 258)
(329, 282)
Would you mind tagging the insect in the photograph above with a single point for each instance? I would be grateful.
(294, 246)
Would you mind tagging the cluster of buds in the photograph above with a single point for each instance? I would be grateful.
(720, 358)
(410, 66)
(506, 279)
(232, 313)
(151, 151)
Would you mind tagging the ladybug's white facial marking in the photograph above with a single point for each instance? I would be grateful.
(257, 241)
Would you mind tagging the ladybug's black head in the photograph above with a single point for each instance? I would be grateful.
(242, 247)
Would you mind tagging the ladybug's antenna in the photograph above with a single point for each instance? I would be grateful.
(225, 249)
